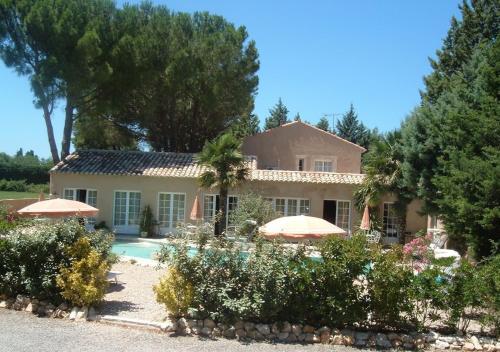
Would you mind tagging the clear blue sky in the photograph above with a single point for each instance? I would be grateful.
(318, 56)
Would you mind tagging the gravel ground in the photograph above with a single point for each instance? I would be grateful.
(21, 331)
(133, 296)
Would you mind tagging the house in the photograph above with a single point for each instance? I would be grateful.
(299, 168)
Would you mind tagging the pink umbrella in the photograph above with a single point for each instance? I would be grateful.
(56, 208)
(365, 221)
(299, 228)
(196, 210)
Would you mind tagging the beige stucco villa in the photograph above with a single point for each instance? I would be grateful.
(299, 168)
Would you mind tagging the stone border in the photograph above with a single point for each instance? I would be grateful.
(278, 332)
(297, 333)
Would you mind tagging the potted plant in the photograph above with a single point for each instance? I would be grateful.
(147, 222)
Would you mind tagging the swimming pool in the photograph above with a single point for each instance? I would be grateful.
(139, 249)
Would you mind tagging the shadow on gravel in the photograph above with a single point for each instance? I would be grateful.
(115, 288)
(115, 307)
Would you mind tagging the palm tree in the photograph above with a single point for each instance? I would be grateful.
(383, 174)
(226, 169)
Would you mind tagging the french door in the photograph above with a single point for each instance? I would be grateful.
(127, 212)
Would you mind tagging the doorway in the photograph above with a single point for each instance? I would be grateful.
(330, 211)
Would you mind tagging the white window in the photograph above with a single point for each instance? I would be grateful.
(211, 207)
(88, 196)
(323, 166)
(433, 222)
(300, 165)
(291, 206)
(171, 209)
(127, 207)
(232, 204)
(391, 221)
(343, 216)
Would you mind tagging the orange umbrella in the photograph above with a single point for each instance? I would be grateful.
(365, 221)
(196, 210)
(56, 208)
(299, 228)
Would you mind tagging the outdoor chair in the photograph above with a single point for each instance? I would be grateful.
(373, 237)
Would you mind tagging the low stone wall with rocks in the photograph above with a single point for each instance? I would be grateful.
(277, 332)
(296, 333)
(47, 309)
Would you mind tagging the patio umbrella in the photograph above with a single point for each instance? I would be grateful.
(299, 228)
(365, 221)
(56, 208)
(196, 210)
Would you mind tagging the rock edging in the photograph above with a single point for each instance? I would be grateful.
(297, 333)
(47, 309)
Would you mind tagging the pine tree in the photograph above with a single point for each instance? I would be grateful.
(278, 116)
(323, 124)
(297, 117)
(350, 128)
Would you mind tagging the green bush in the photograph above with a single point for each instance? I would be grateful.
(23, 186)
(84, 282)
(488, 285)
(352, 284)
(390, 300)
(251, 207)
(175, 292)
(33, 255)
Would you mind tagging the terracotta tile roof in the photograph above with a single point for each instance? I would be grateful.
(134, 163)
(307, 177)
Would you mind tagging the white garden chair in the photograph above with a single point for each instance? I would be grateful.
(373, 237)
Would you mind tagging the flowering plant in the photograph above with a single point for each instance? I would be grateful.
(418, 251)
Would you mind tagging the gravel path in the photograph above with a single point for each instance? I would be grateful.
(21, 331)
(133, 296)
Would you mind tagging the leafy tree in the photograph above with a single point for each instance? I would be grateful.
(58, 46)
(25, 166)
(452, 140)
(351, 129)
(323, 124)
(227, 168)
(278, 116)
(184, 78)
(479, 22)
(247, 125)
(297, 117)
(99, 133)
(383, 174)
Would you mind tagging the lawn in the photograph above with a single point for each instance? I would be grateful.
(18, 195)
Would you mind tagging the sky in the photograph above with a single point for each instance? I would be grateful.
(317, 56)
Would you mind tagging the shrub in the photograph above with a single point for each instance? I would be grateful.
(22, 186)
(251, 207)
(488, 285)
(146, 221)
(389, 298)
(84, 282)
(175, 292)
(462, 299)
(9, 220)
(33, 255)
(338, 279)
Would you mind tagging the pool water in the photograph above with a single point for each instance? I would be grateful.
(130, 248)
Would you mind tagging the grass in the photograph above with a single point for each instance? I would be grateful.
(19, 195)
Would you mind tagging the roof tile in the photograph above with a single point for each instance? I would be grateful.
(163, 164)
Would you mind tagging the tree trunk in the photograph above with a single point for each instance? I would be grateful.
(221, 221)
(68, 128)
(50, 133)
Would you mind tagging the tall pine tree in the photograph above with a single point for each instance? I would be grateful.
(278, 116)
(323, 124)
(451, 141)
(350, 128)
